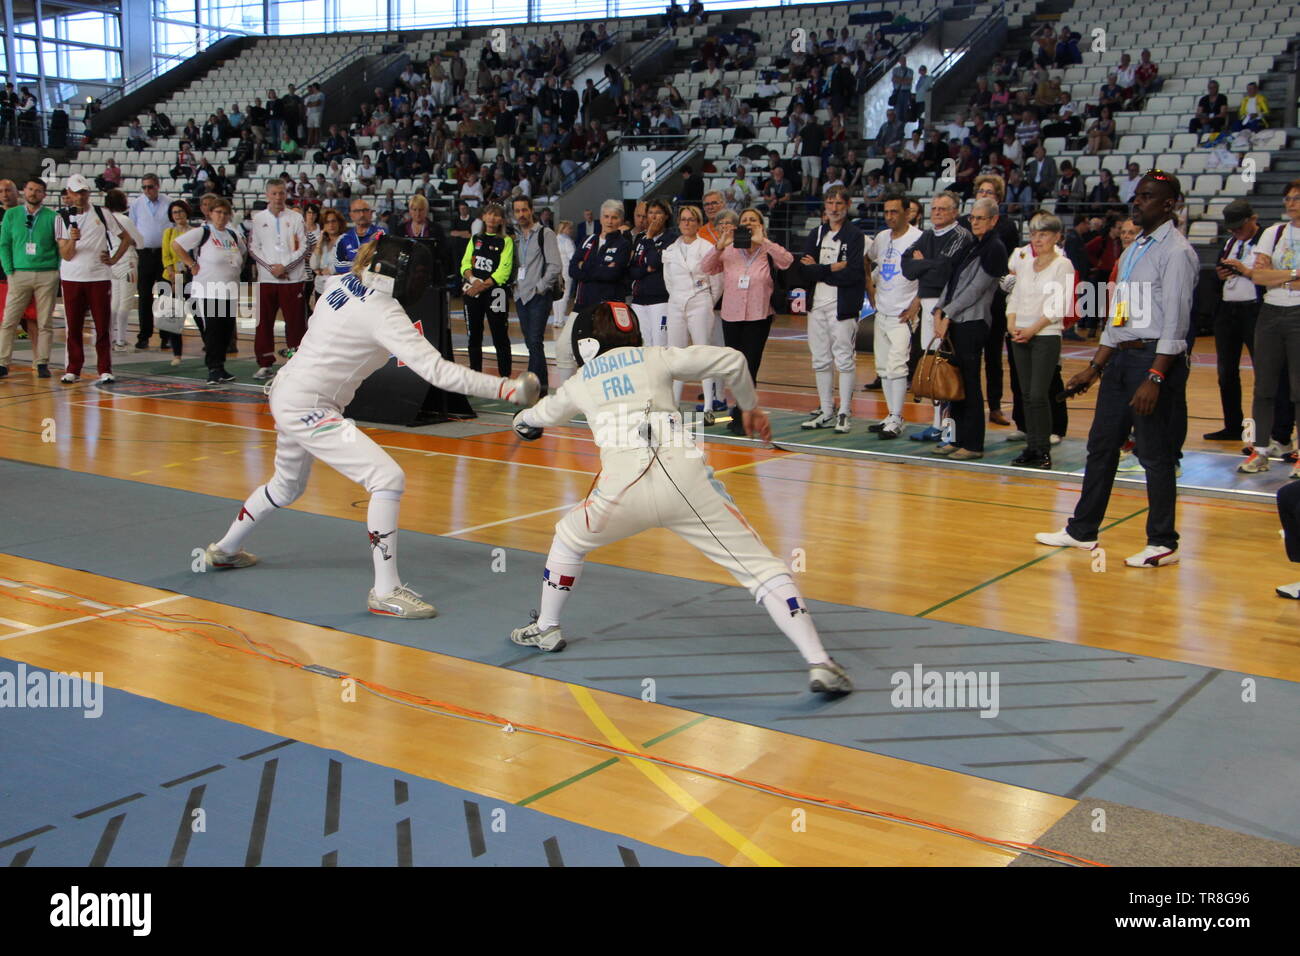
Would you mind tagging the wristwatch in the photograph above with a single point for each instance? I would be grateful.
(1155, 377)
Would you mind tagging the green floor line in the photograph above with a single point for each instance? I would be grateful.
(905, 494)
(1027, 564)
(607, 763)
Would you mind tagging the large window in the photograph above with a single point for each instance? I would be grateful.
(429, 14)
(182, 28)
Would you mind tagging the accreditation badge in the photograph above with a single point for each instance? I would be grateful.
(1121, 313)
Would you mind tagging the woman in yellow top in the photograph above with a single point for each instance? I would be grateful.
(179, 214)
(174, 270)
(485, 270)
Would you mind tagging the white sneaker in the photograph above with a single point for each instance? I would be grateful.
(67, 378)
(1055, 439)
(1016, 435)
(893, 428)
(819, 420)
(119, 346)
(221, 560)
(265, 372)
(107, 378)
(828, 678)
(401, 603)
(1291, 591)
(1152, 557)
(1255, 463)
(1062, 539)
(1129, 462)
(842, 423)
(542, 638)
(1276, 449)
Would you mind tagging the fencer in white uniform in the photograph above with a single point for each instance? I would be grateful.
(654, 476)
(691, 294)
(358, 324)
(892, 294)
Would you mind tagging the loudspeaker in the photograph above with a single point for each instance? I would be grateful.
(396, 395)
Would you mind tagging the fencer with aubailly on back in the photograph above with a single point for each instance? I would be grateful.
(357, 325)
(654, 476)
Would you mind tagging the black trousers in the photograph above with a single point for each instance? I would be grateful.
(1060, 411)
(477, 308)
(993, 350)
(1288, 509)
(1158, 445)
(149, 271)
(1234, 326)
(218, 328)
(968, 339)
(749, 339)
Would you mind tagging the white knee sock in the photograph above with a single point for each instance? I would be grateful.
(677, 392)
(258, 506)
(563, 568)
(381, 522)
(938, 415)
(712, 392)
(783, 601)
(826, 390)
(898, 392)
(847, 382)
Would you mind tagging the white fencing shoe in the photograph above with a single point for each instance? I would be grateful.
(220, 560)
(819, 419)
(542, 638)
(828, 678)
(1291, 591)
(1061, 539)
(403, 603)
(1153, 557)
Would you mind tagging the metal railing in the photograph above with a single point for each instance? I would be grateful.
(156, 69)
(42, 129)
(942, 71)
(682, 145)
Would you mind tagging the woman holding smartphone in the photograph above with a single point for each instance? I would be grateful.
(746, 257)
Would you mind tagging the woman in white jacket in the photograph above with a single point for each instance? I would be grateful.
(691, 294)
(1039, 300)
(124, 272)
(564, 237)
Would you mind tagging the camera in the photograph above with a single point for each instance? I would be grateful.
(742, 238)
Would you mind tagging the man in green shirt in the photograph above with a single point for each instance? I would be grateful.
(30, 258)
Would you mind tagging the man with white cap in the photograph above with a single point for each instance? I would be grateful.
(90, 243)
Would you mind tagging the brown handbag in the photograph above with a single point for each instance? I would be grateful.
(937, 376)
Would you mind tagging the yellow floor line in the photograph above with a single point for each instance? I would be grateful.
(664, 783)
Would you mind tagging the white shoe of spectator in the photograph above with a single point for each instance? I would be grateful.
(1062, 539)
(1016, 435)
(107, 378)
(1055, 439)
(1291, 591)
(1255, 463)
(819, 419)
(1152, 556)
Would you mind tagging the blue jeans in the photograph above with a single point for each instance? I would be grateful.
(533, 316)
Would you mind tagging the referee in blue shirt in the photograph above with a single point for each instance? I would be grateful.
(1143, 365)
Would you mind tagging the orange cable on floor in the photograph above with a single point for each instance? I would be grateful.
(268, 652)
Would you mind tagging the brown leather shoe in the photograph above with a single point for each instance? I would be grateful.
(997, 418)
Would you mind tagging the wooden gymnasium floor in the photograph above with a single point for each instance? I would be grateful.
(942, 545)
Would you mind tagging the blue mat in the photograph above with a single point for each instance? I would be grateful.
(148, 784)
(1077, 721)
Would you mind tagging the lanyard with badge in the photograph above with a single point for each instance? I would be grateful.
(743, 283)
(31, 238)
(1121, 315)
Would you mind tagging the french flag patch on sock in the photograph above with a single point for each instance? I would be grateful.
(795, 607)
(561, 582)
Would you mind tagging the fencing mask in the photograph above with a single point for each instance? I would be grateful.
(604, 326)
(401, 268)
